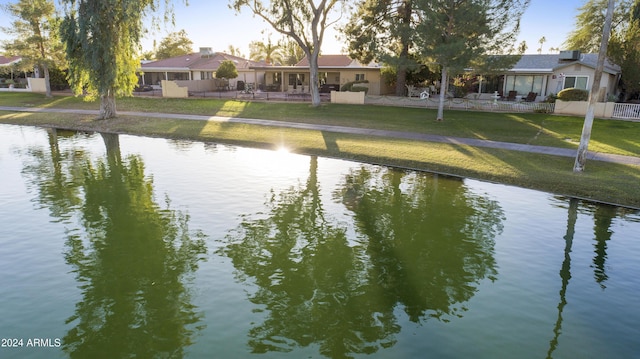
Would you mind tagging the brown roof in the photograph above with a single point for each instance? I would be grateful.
(328, 61)
(4, 60)
(195, 61)
(336, 61)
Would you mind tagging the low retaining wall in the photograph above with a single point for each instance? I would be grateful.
(171, 89)
(354, 98)
(37, 85)
(199, 85)
(579, 108)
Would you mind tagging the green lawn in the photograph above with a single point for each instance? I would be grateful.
(601, 181)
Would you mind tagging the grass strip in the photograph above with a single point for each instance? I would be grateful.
(606, 182)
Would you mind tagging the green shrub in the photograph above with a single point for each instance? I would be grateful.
(346, 87)
(360, 89)
(352, 86)
(573, 94)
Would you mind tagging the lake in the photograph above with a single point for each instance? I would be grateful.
(117, 246)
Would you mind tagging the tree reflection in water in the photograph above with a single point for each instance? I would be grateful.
(423, 246)
(131, 257)
(603, 216)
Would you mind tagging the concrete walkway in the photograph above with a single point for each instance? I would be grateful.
(556, 151)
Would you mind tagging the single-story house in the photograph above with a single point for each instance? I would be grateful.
(190, 71)
(196, 66)
(8, 65)
(333, 72)
(9, 60)
(549, 74)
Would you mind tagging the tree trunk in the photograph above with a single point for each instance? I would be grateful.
(405, 40)
(401, 80)
(47, 81)
(313, 77)
(107, 106)
(581, 156)
(443, 89)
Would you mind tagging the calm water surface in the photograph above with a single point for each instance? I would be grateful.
(120, 246)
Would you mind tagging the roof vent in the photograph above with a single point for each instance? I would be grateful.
(569, 55)
(206, 52)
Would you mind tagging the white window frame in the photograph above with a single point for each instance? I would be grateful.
(576, 77)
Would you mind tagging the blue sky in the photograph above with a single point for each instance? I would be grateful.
(212, 24)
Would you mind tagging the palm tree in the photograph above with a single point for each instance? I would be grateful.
(234, 51)
(267, 52)
(541, 41)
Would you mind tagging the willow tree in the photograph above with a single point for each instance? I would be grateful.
(458, 34)
(35, 35)
(383, 30)
(303, 21)
(102, 41)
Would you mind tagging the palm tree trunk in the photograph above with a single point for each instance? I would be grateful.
(581, 157)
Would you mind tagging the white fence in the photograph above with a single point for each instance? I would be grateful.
(627, 111)
(463, 104)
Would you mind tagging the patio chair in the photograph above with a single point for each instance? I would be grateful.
(531, 97)
(512, 95)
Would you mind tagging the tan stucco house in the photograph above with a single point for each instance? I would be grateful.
(333, 72)
(194, 70)
(196, 66)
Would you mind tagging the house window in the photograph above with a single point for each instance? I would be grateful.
(490, 84)
(359, 77)
(296, 80)
(207, 75)
(524, 84)
(579, 82)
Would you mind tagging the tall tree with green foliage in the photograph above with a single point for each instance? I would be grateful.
(174, 44)
(458, 34)
(587, 34)
(292, 53)
(102, 41)
(35, 32)
(303, 21)
(624, 50)
(383, 30)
